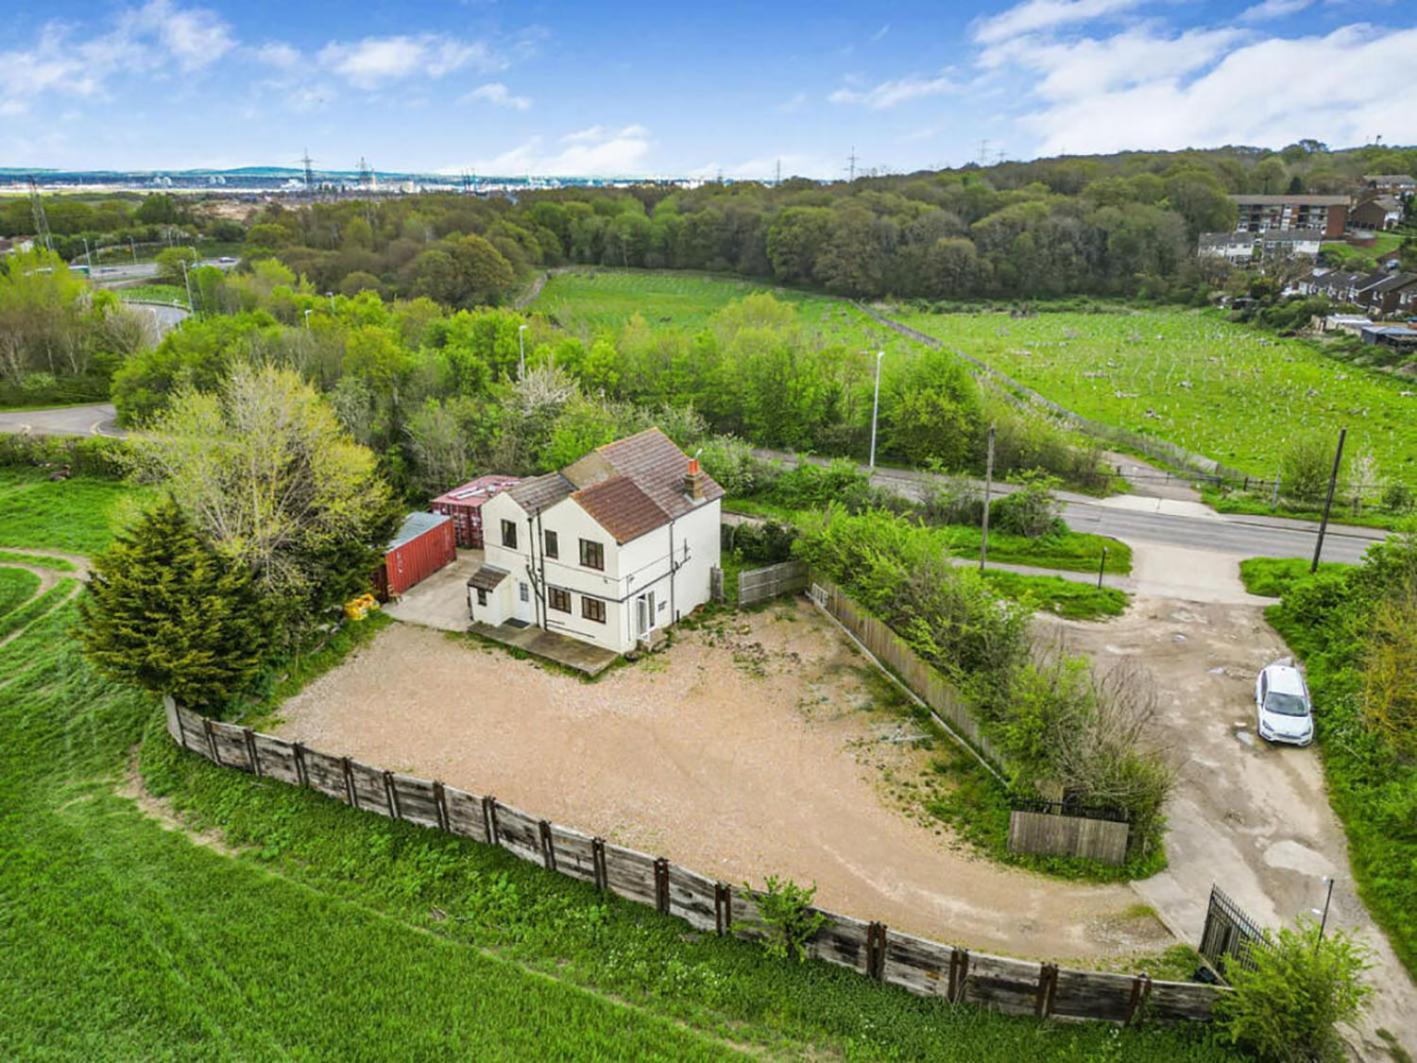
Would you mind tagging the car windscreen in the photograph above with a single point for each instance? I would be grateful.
(1286, 704)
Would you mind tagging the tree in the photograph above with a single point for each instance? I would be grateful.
(170, 261)
(165, 612)
(1302, 987)
(267, 475)
(1304, 469)
(159, 208)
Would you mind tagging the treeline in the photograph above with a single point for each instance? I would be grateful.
(111, 222)
(1122, 225)
(440, 394)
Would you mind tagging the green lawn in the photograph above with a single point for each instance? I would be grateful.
(154, 293)
(1192, 378)
(1273, 576)
(329, 933)
(16, 587)
(1063, 597)
(75, 516)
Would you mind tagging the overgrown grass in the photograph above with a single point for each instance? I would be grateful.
(154, 293)
(1066, 598)
(335, 934)
(35, 608)
(1192, 378)
(1272, 576)
(1263, 506)
(80, 515)
(16, 587)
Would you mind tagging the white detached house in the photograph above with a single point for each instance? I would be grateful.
(610, 549)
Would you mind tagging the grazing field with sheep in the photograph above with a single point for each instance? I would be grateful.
(1192, 378)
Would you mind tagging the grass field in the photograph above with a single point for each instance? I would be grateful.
(1272, 576)
(1062, 597)
(154, 293)
(78, 516)
(16, 586)
(316, 931)
(1194, 379)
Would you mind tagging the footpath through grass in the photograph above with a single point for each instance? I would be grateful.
(331, 933)
(1192, 378)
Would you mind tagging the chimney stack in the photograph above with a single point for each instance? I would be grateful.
(694, 481)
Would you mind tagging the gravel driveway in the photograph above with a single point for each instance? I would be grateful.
(738, 753)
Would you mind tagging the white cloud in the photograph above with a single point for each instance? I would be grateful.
(890, 93)
(1035, 16)
(140, 40)
(372, 61)
(1271, 9)
(795, 103)
(277, 54)
(494, 92)
(596, 151)
(1266, 92)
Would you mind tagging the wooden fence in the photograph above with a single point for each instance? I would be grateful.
(888, 647)
(1230, 936)
(925, 968)
(759, 584)
(1103, 840)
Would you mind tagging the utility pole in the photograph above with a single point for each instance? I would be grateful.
(41, 221)
(1323, 921)
(876, 407)
(988, 490)
(984, 152)
(851, 161)
(88, 258)
(778, 179)
(1328, 502)
(187, 280)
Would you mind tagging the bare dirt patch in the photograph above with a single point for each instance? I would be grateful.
(750, 747)
(135, 789)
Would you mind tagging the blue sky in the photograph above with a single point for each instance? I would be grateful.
(637, 88)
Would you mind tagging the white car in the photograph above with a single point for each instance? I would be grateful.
(1282, 705)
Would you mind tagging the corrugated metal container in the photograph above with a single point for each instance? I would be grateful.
(423, 545)
(464, 505)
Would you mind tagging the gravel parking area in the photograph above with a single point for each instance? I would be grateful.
(746, 749)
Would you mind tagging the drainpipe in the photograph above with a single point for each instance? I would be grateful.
(673, 568)
(531, 569)
(545, 595)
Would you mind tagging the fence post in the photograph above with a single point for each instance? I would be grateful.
(876, 951)
(959, 971)
(349, 790)
(211, 739)
(392, 795)
(661, 885)
(597, 861)
(302, 773)
(1141, 989)
(489, 820)
(548, 845)
(440, 804)
(722, 907)
(251, 751)
(1047, 982)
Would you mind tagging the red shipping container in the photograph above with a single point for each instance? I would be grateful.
(464, 505)
(422, 546)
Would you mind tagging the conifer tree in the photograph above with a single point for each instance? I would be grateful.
(166, 613)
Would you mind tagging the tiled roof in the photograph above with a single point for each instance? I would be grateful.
(620, 507)
(1293, 201)
(536, 494)
(658, 467)
(487, 577)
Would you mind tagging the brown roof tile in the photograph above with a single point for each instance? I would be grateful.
(620, 507)
(536, 494)
(652, 460)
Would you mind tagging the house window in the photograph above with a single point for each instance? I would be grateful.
(524, 591)
(552, 545)
(593, 554)
(509, 534)
(558, 599)
(481, 596)
(593, 609)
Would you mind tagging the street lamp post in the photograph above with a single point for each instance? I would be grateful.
(331, 297)
(187, 280)
(876, 407)
(1323, 921)
(521, 351)
(307, 317)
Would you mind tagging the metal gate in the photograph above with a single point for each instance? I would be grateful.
(1230, 936)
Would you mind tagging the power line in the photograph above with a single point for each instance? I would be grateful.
(851, 161)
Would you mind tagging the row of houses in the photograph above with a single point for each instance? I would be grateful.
(1387, 293)
(1285, 226)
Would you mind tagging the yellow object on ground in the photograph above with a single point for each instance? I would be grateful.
(358, 608)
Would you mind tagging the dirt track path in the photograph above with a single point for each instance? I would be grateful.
(1247, 816)
(736, 768)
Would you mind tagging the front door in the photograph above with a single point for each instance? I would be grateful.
(644, 614)
(523, 610)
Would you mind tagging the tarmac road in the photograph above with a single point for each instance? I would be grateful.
(95, 420)
(1168, 521)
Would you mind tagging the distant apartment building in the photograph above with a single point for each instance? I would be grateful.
(1377, 212)
(1263, 214)
(1392, 184)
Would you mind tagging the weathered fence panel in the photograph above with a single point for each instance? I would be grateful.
(1103, 840)
(1230, 935)
(466, 814)
(922, 967)
(759, 584)
(888, 647)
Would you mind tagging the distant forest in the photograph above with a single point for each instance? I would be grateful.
(1122, 225)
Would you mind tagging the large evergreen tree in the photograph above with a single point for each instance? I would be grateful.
(166, 613)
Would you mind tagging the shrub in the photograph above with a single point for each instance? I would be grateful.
(84, 455)
(786, 916)
(1032, 511)
(1302, 988)
(951, 500)
(1397, 498)
(769, 542)
(1304, 469)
